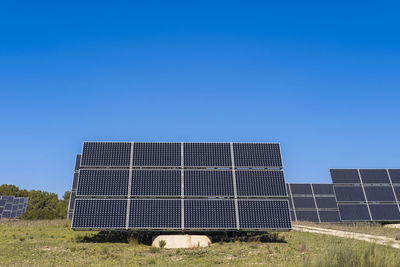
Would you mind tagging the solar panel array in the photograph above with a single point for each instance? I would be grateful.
(313, 202)
(179, 186)
(12, 207)
(367, 194)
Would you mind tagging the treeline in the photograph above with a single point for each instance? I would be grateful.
(41, 204)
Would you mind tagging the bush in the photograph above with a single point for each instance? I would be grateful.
(162, 243)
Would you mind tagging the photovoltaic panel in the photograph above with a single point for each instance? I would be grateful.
(307, 215)
(301, 189)
(397, 191)
(374, 176)
(264, 214)
(323, 189)
(155, 213)
(72, 201)
(379, 193)
(100, 213)
(304, 202)
(385, 212)
(208, 183)
(77, 162)
(210, 214)
(326, 202)
(157, 154)
(106, 154)
(345, 176)
(156, 183)
(329, 216)
(351, 194)
(257, 155)
(108, 182)
(207, 155)
(354, 212)
(395, 175)
(260, 183)
(75, 181)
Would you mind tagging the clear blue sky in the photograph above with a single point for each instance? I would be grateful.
(321, 79)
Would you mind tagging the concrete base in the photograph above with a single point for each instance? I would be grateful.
(394, 225)
(182, 241)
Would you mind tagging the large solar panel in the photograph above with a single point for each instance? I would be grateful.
(394, 175)
(179, 186)
(372, 198)
(12, 207)
(313, 202)
(345, 176)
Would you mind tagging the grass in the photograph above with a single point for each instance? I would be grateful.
(53, 243)
(364, 228)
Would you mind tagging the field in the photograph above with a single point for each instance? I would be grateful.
(53, 243)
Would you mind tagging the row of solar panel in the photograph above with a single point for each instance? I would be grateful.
(12, 207)
(365, 176)
(167, 214)
(120, 154)
(112, 182)
(355, 193)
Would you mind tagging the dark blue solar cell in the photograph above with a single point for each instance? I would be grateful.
(370, 176)
(155, 214)
(301, 189)
(106, 154)
(8, 206)
(157, 154)
(260, 183)
(397, 191)
(156, 183)
(326, 202)
(354, 212)
(304, 203)
(257, 155)
(379, 193)
(208, 183)
(264, 214)
(329, 216)
(385, 212)
(349, 193)
(345, 176)
(395, 175)
(307, 215)
(207, 155)
(210, 214)
(103, 182)
(323, 189)
(100, 214)
(6, 214)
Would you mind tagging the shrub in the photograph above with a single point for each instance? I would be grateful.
(162, 243)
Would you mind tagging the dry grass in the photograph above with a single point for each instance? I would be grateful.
(53, 243)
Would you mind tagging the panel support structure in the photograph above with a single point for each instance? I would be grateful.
(234, 187)
(128, 204)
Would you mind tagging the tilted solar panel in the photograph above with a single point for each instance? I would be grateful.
(329, 216)
(385, 212)
(394, 175)
(354, 212)
(323, 189)
(307, 215)
(371, 176)
(156, 154)
(326, 202)
(379, 193)
(210, 214)
(260, 183)
(301, 189)
(156, 183)
(207, 155)
(208, 183)
(345, 176)
(103, 182)
(304, 203)
(257, 155)
(106, 154)
(349, 194)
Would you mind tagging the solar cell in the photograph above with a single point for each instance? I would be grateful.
(397, 191)
(307, 215)
(257, 155)
(156, 183)
(326, 202)
(155, 214)
(385, 212)
(349, 193)
(304, 203)
(379, 193)
(301, 189)
(323, 189)
(209, 214)
(260, 183)
(329, 216)
(207, 155)
(345, 176)
(157, 154)
(100, 213)
(374, 176)
(394, 175)
(354, 212)
(264, 214)
(108, 182)
(106, 154)
(208, 183)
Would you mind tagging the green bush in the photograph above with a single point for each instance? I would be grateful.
(162, 243)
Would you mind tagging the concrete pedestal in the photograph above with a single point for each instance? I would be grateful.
(182, 241)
